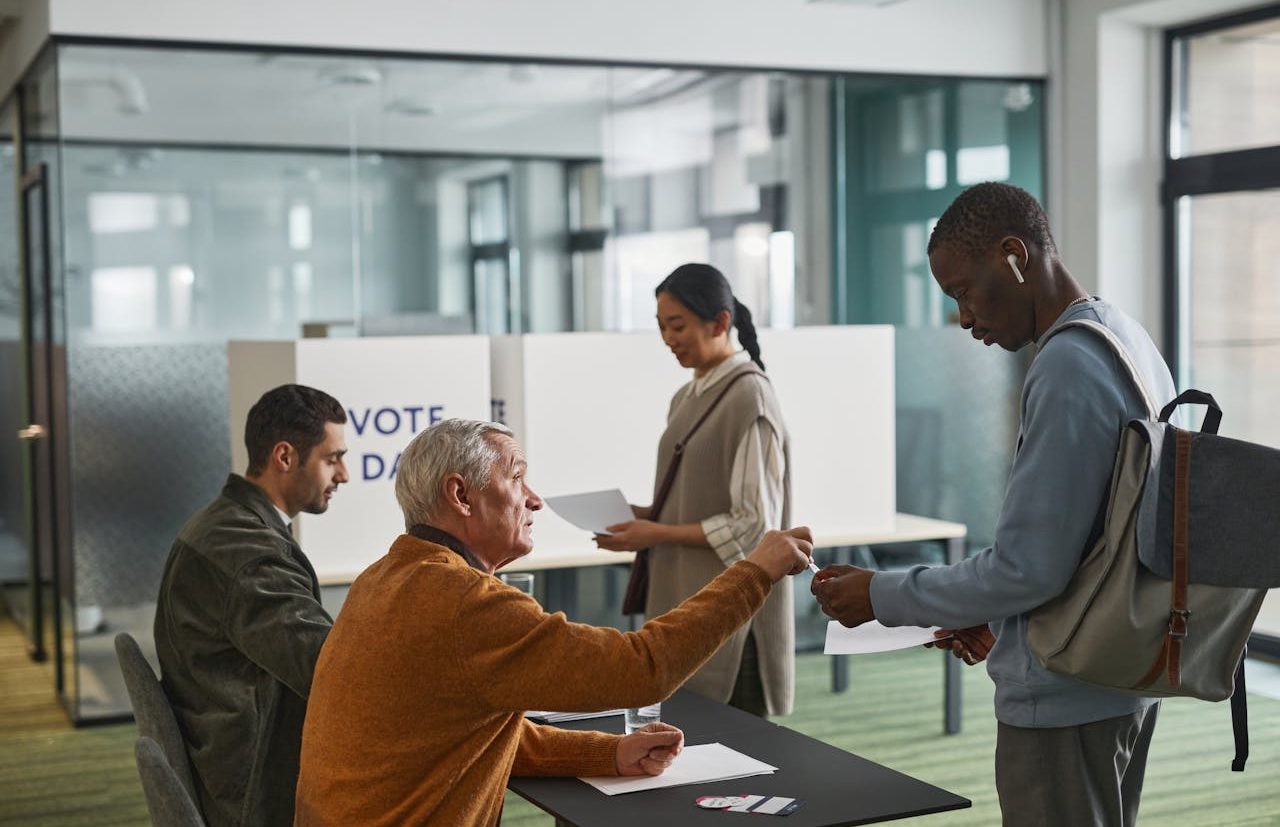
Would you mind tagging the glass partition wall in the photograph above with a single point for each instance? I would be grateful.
(201, 195)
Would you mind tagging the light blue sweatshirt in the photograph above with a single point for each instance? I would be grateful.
(1075, 401)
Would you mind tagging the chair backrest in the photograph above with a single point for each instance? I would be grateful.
(151, 709)
(167, 800)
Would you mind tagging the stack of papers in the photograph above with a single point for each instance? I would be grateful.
(558, 717)
(872, 637)
(694, 765)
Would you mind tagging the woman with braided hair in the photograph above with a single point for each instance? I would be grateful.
(729, 485)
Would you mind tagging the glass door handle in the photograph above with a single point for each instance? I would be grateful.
(32, 432)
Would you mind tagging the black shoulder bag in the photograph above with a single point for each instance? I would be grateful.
(638, 585)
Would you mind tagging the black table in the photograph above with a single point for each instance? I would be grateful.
(838, 788)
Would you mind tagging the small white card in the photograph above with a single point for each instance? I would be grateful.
(593, 510)
(872, 637)
(694, 765)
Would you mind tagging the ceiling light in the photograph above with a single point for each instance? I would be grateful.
(346, 75)
(1018, 97)
(409, 108)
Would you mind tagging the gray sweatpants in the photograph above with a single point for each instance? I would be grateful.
(1074, 776)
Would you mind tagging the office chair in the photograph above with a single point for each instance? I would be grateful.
(167, 800)
(152, 711)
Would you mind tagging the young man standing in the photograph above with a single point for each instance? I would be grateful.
(1066, 753)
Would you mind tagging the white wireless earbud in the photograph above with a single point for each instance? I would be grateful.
(1012, 258)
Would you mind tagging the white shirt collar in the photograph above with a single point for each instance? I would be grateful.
(719, 372)
(284, 518)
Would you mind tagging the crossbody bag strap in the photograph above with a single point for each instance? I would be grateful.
(1240, 717)
(1178, 612)
(1169, 658)
(660, 499)
(1121, 353)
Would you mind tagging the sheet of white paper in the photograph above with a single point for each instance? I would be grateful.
(593, 510)
(695, 765)
(872, 637)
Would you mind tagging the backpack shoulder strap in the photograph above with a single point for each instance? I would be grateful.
(1121, 352)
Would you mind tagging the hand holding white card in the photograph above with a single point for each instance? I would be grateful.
(873, 637)
(593, 510)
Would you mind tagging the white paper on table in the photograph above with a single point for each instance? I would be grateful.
(593, 510)
(873, 637)
(694, 765)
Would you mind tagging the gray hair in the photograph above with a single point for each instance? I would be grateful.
(451, 446)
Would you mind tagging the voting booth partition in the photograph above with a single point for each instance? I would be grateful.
(589, 409)
(391, 388)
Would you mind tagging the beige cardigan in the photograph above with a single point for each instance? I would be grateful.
(700, 490)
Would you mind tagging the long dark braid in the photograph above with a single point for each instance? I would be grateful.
(705, 291)
(746, 332)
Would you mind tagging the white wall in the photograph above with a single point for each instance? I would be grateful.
(976, 37)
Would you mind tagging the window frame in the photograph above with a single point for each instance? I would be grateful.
(1211, 173)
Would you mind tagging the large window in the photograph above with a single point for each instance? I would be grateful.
(381, 195)
(1222, 208)
(910, 147)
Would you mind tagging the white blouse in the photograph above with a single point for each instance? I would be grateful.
(755, 484)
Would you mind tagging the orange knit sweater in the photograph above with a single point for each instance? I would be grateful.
(416, 707)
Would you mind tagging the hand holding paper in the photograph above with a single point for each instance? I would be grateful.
(972, 645)
(873, 637)
(593, 511)
(633, 535)
(844, 593)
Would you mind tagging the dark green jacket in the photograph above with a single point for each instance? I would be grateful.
(238, 629)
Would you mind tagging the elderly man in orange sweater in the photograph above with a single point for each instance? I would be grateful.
(416, 708)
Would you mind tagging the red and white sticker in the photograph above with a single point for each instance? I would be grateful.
(769, 805)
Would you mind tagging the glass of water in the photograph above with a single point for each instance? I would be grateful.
(639, 717)
(523, 581)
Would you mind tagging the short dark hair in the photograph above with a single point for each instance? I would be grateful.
(295, 414)
(983, 214)
(705, 291)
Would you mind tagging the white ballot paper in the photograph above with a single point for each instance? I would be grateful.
(593, 510)
(694, 765)
(872, 637)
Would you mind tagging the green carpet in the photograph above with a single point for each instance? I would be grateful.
(891, 714)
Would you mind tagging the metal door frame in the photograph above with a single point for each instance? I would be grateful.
(34, 183)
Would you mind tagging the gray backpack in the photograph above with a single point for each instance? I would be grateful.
(1164, 602)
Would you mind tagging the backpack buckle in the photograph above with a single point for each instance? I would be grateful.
(1178, 623)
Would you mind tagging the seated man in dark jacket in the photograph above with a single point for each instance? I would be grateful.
(239, 623)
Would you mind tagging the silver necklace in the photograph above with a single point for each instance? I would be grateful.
(1080, 300)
